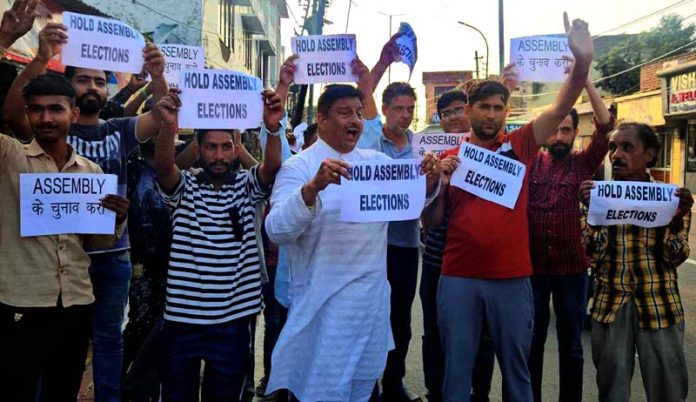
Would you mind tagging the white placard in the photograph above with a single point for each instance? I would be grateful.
(383, 190)
(102, 44)
(637, 203)
(540, 58)
(489, 175)
(178, 58)
(324, 58)
(408, 48)
(219, 99)
(437, 143)
(59, 203)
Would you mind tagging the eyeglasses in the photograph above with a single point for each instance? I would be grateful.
(456, 112)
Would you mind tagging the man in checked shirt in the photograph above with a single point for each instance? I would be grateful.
(559, 261)
(636, 302)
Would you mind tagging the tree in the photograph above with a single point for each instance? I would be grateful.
(669, 35)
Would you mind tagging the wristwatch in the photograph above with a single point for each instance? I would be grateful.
(271, 133)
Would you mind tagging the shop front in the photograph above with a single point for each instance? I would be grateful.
(679, 110)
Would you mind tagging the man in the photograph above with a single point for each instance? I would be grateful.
(636, 305)
(453, 119)
(394, 138)
(334, 344)
(45, 290)
(558, 259)
(214, 278)
(484, 274)
(106, 143)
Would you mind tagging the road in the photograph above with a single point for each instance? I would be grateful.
(414, 366)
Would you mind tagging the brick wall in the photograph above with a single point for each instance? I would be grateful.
(648, 73)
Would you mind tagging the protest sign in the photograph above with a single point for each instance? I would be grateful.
(437, 143)
(637, 203)
(383, 190)
(540, 58)
(489, 175)
(102, 44)
(407, 44)
(324, 58)
(219, 99)
(59, 203)
(180, 57)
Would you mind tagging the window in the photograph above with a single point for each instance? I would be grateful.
(227, 23)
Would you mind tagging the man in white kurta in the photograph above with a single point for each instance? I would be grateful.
(335, 342)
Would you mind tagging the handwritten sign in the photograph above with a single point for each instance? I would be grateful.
(180, 57)
(489, 175)
(219, 99)
(437, 143)
(407, 44)
(102, 44)
(540, 58)
(379, 191)
(59, 203)
(637, 203)
(324, 58)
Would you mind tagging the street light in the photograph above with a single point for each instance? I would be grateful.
(484, 40)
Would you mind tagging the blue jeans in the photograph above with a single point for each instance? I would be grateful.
(224, 347)
(569, 294)
(505, 307)
(110, 274)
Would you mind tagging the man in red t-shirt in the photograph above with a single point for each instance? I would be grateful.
(484, 272)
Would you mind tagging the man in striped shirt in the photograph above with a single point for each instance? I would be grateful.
(213, 281)
(636, 304)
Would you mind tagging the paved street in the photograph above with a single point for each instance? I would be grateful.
(414, 375)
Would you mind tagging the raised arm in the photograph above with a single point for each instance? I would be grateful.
(601, 113)
(168, 174)
(390, 53)
(51, 41)
(365, 86)
(148, 124)
(580, 43)
(273, 111)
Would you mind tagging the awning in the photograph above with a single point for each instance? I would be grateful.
(641, 107)
(251, 23)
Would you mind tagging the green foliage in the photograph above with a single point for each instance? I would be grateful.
(670, 34)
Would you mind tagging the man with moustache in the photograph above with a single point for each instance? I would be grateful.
(45, 289)
(558, 259)
(636, 305)
(106, 143)
(214, 275)
(485, 276)
(334, 344)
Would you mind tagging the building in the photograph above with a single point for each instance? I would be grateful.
(438, 82)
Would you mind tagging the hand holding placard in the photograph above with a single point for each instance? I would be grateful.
(117, 204)
(330, 172)
(273, 110)
(51, 40)
(168, 108)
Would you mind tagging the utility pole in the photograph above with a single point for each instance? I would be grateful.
(501, 37)
(477, 58)
(390, 35)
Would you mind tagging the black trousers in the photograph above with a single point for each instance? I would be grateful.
(402, 273)
(43, 343)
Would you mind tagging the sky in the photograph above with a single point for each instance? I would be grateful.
(444, 45)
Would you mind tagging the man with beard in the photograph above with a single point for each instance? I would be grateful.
(485, 274)
(637, 308)
(106, 143)
(214, 277)
(558, 259)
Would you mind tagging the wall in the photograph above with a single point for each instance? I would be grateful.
(145, 16)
